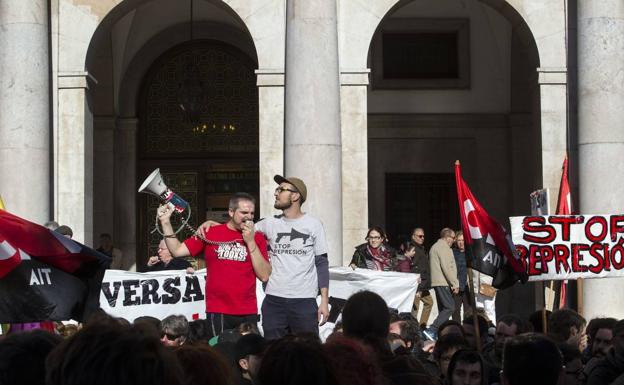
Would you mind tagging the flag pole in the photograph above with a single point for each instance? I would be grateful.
(471, 292)
(475, 319)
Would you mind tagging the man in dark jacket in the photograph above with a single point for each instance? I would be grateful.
(420, 265)
(459, 252)
(610, 369)
(165, 261)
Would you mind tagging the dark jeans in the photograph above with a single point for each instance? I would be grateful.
(446, 305)
(462, 298)
(218, 322)
(281, 316)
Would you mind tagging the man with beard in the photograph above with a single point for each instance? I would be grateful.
(300, 266)
(298, 251)
(599, 337)
(610, 369)
(235, 256)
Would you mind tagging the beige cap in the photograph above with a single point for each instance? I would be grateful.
(298, 183)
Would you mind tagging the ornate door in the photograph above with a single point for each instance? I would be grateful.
(199, 125)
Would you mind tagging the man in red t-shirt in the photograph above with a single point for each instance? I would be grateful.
(235, 255)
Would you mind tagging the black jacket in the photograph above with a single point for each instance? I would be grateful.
(361, 254)
(420, 265)
(606, 370)
(174, 264)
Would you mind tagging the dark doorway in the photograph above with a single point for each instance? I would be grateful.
(424, 200)
(199, 124)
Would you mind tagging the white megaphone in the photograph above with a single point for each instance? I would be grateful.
(154, 185)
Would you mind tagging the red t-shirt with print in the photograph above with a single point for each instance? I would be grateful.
(230, 278)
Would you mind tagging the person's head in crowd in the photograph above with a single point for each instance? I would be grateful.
(396, 342)
(536, 319)
(23, 356)
(198, 331)
(409, 249)
(471, 334)
(451, 327)
(444, 349)
(248, 328)
(459, 241)
(65, 231)
(163, 252)
(618, 338)
(106, 242)
(107, 352)
(249, 350)
(352, 362)
(375, 237)
(466, 368)
(409, 331)
(508, 326)
(174, 330)
(447, 235)
(365, 313)
(531, 358)
(418, 236)
(289, 361)
(573, 365)
(153, 322)
(202, 365)
(566, 325)
(600, 335)
(52, 225)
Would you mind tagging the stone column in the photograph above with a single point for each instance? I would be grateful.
(553, 103)
(312, 117)
(271, 134)
(126, 185)
(25, 109)
(354, 121)
(74, 168)
(601, 137)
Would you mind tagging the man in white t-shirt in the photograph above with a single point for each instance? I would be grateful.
(300, 268)
(298, 252)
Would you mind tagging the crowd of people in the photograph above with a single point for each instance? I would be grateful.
(442, 269)
(371, 344)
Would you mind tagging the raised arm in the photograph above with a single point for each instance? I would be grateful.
(177, 248)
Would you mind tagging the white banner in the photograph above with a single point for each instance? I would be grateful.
(397, 289)
(158, 294)
(559, 247)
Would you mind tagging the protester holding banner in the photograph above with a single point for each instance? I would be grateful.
(375, 254)
(235, 255)
(165, 261)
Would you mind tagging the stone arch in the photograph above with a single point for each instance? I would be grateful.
(164, 41)
(113, 98)
(357, 32)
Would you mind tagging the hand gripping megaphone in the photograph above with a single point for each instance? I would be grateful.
(155, 185)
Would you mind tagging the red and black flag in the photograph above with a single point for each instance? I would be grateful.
(45, 275)
(489, 248)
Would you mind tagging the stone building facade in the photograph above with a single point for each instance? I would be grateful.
(370, 102)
